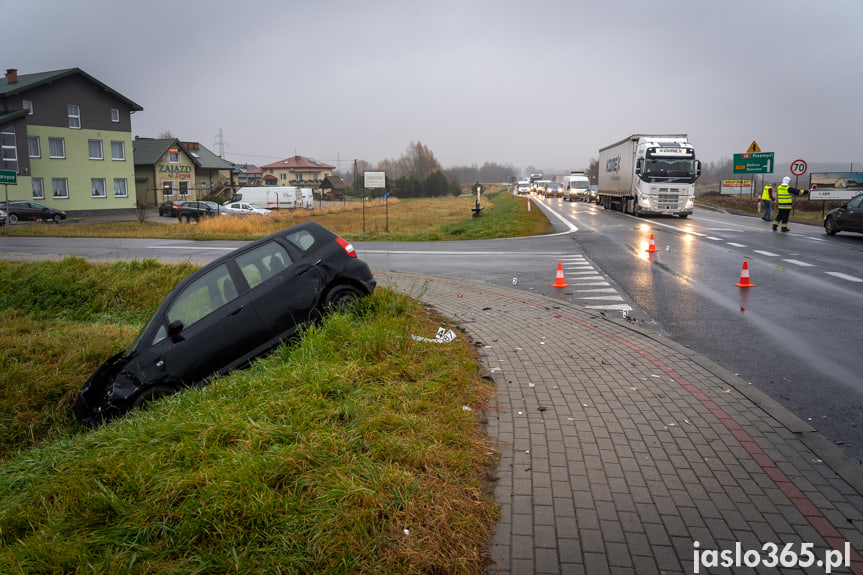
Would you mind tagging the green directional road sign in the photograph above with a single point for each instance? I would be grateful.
(754, 163)
(8, 177)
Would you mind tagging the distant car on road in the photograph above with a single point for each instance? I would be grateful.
(848, 217)
(592, 193)
(168, 208)
(194, 211)
(21, 210)
(553, 189)
(244, 209)
(230, 311)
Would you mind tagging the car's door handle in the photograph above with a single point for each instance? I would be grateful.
(236, 311)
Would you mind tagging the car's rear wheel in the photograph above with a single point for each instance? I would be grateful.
(152, 394)
(184, 219)
(830, 226)
(342, 297)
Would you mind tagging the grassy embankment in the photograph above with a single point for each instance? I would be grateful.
(347, 451)
(421, 219)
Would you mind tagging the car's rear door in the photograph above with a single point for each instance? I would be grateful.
(283, 290)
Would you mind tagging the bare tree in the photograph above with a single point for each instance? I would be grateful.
(418, 161)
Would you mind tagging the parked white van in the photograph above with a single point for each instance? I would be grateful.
(272, 197)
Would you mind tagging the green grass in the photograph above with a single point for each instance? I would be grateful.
(347, 451)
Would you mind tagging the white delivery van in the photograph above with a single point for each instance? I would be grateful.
(270, 197)
(576, 186)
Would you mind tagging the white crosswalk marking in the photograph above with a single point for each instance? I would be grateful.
(590, 286)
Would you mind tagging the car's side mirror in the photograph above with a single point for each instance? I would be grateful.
(174, 329)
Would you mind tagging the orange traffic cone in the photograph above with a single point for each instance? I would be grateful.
(652, 246)
(559, 281)
(744, 276)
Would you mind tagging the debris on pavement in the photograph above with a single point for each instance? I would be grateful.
(444, 335)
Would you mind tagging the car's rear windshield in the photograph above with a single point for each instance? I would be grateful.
(303, 239)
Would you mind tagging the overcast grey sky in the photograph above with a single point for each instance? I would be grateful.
(539, 83)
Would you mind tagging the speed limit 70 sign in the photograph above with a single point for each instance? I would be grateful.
(798, 167)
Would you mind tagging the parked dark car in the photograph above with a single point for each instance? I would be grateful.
(194, 211)
(26, 210)
(232, 310)
(848, 217)
(168, 208)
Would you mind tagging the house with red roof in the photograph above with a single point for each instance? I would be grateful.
(296, 171)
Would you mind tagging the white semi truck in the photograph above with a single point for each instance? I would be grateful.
(649, 174)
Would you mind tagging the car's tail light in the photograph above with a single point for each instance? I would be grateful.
(346, 245)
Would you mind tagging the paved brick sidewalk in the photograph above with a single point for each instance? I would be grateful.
(623, 452)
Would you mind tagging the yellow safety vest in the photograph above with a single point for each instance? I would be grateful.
(765, 195)
(784, 197)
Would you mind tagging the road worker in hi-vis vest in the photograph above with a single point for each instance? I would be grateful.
(784, 202)
(767, 199)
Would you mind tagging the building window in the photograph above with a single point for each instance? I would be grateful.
(28, 105)
(120, 189)
(95, 149)
(10, 152)
(98, 187)
(168, 188)
(60, 188)
(56, 148)
(173, 156)
(115, 115)
(38, 188)
(184, 188)
(283, 176)
(74, 113)
(118, 150)
(34, 146)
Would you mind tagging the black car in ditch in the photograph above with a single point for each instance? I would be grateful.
(230, 311)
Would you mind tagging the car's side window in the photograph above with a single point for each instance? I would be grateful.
(303, 239)
(856, 202)
(203, 296)
(263, 262)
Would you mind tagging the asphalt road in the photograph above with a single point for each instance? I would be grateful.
(796, 335)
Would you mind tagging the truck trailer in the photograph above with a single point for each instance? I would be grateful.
(649, 174)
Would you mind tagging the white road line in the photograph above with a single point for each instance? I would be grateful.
(189, 248)
(736, 245)
(579, 284)
(597, 290)
(768, 254)
(799, 263)
(844, 276)
(603, 297)
(613, 307)
(715, 239)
